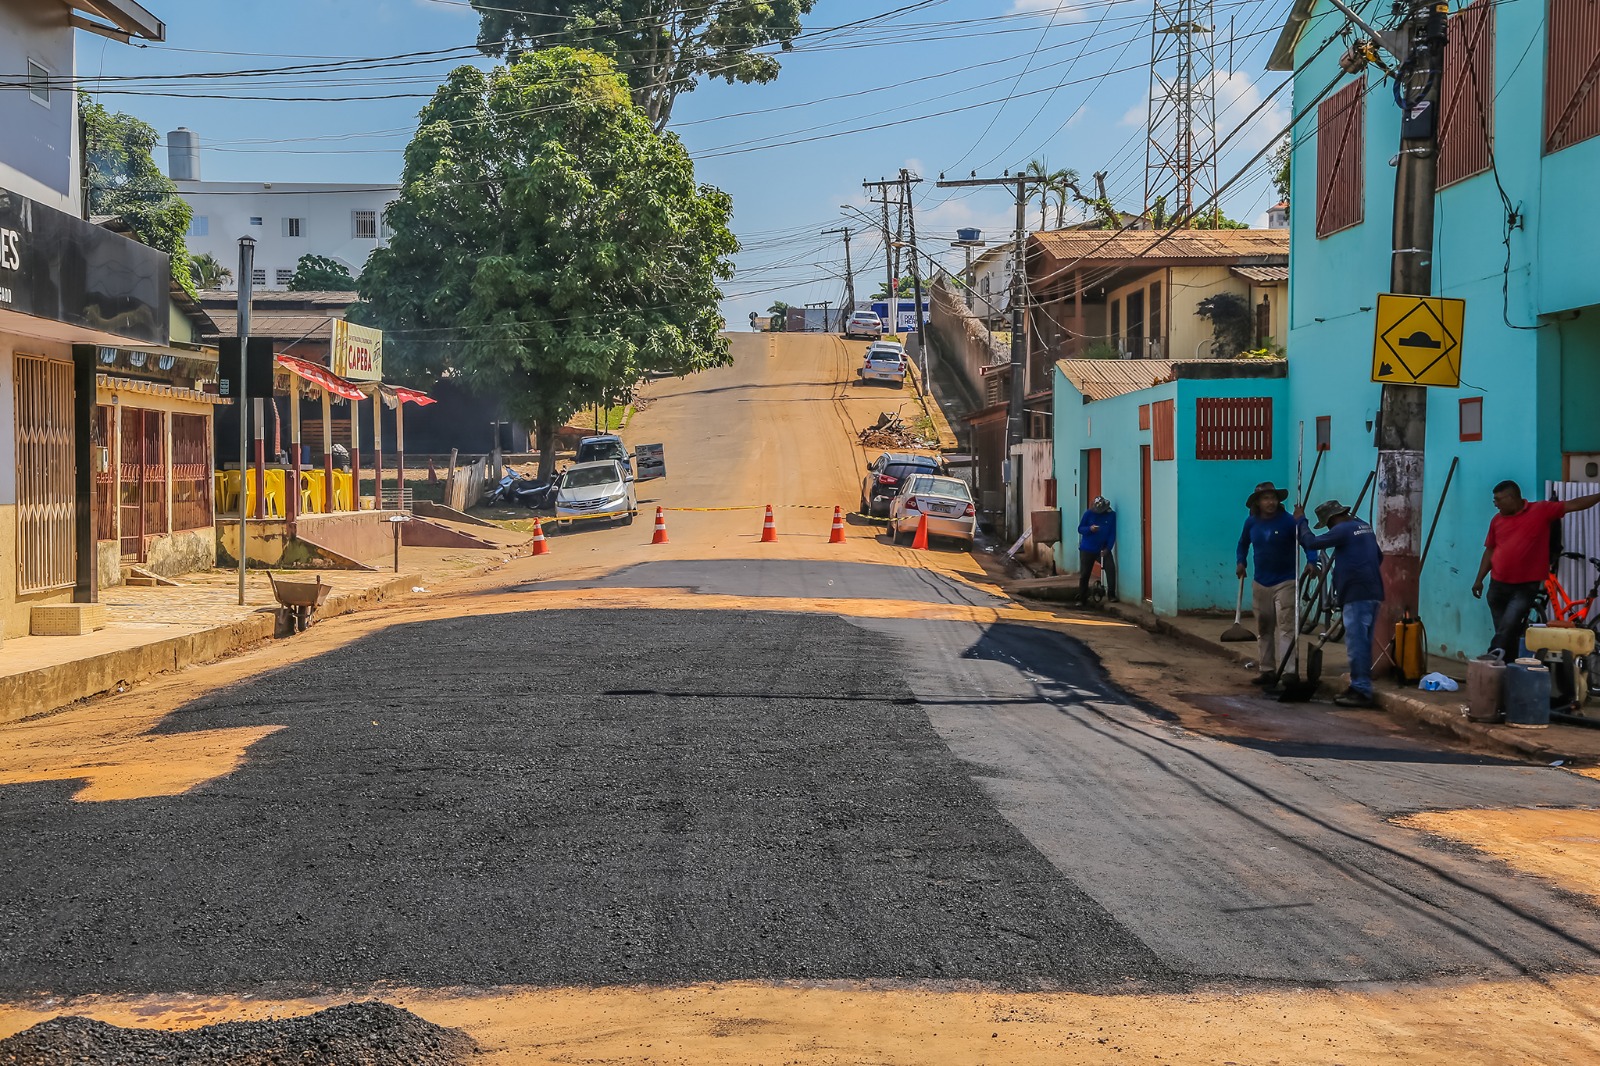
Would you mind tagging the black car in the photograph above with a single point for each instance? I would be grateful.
(885, 475)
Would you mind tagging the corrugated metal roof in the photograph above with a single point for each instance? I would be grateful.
(1268, 275)
(1099, 246)
(279, 326)
(1102, 379)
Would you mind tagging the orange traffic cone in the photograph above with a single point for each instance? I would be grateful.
(769, 528)
(836, 536)
(540, 545)
(920, 541)
(660, 536)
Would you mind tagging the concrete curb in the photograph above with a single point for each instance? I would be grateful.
(1538, 744)
(55, 687)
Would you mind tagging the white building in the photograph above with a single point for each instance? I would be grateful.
(288, 219)
(988, 292)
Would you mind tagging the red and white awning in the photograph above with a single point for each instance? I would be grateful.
(321, 376)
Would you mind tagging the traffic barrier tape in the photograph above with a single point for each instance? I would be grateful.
(741, 507)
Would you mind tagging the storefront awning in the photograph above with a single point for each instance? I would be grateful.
(405, 395)
(321, 376)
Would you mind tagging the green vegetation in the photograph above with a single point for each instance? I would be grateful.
(549, 246)
(122, 179)
(207, 272)
(662, 47)
(318, 273)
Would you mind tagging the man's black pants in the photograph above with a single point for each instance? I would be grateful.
(1086, 561)
(1509, 605)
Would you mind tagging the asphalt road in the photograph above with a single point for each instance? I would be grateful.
(515, 787)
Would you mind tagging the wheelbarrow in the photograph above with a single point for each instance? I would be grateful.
(298, 599)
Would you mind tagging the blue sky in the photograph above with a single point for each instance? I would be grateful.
(954, 85)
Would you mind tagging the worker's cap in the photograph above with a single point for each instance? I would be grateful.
(1328, 511)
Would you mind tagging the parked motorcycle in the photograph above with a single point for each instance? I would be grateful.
(524, 491)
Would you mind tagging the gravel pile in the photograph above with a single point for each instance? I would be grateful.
(356, 1034)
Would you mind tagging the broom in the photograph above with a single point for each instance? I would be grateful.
(1237, 632)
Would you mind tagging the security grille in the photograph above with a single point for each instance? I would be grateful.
(191, 472)
(1341, 119)
(47, 504)
(1235, 428)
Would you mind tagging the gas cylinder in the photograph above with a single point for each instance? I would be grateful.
(1486, 678)
(1527, 694)
(1410, 655)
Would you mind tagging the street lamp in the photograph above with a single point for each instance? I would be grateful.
(247, 266)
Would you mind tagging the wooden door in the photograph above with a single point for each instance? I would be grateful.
(1091, 476)
(1146, 583)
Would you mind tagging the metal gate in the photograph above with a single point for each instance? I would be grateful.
(143, 488)
(1580, 533)
(47, 503)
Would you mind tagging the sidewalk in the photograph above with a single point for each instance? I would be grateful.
(1441, 711)
(152, 630)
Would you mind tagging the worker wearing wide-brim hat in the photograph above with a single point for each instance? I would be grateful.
(1357, 587)
(1270, 533)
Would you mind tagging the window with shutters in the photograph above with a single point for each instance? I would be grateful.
(47, 490)
(1466, 98)
(1341, 122)
(1572, 66)
(1163, 433)
(191, 471)
(1233, 428)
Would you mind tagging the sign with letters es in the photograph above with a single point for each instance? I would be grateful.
(357, 352)
(1417, 340)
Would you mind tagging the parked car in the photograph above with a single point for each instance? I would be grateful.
(603, 488)
(863, 325)
(886, 474)
(946, 501)
(884, 361)
(606, 446)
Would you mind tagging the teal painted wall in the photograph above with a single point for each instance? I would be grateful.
(1536, 382)
(1197, 507)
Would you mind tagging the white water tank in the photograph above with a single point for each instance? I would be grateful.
(183, 154)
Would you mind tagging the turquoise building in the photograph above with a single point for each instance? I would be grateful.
(1517, 237)
(1176, 447)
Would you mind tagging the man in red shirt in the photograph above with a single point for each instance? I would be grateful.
(1516, 558)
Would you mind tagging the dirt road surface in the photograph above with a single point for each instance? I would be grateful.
(720, 801)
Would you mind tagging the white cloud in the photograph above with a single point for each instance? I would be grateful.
(1060, 11)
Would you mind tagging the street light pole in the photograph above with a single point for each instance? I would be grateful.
(247, 261)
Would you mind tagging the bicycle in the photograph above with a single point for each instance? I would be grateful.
(1554, 605)
(1097, 583)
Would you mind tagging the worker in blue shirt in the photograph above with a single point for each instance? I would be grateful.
(1270, 533)
(1097, 541)
(1357, 588)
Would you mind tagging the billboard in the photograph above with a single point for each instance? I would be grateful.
(357, 352)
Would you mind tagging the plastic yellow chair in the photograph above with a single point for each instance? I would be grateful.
(312, 491)
(225, 489)
(343, 499)
(277, 495)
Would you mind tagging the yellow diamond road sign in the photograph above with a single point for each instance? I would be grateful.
(1418, 340)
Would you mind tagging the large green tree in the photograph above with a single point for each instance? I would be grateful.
(318, 273)
(663, 47)
(549, 246)
(122, 179)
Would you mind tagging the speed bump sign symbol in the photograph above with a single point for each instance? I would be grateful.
(1417, 340)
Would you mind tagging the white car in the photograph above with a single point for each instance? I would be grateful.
(885, 361)
(602, 489)
(863, 325)
(946, 501)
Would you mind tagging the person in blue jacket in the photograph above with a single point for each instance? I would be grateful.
(1097, 539)
(1357, 588)
(1270, 533)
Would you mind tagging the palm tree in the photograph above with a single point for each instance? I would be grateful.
(207, 272)
(1064, 186)
(1040, 170)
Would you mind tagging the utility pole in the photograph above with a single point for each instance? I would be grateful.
(1403, 412)
(891, 253)
(906, 181)
(849, 272)
(1019, 290)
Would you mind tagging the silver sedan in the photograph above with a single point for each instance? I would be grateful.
(945, 501)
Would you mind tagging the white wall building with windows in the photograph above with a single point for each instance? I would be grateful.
(287, 219)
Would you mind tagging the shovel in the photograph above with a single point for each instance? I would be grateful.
(1237, 632)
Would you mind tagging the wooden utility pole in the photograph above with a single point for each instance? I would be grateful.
(1403, 413)
(849, 272)
(891, 251)
(1019, 291)
(906, 181)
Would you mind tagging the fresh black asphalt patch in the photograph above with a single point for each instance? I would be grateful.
(787, 577)
(461, 803)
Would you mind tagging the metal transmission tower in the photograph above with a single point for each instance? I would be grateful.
(1180, 156)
